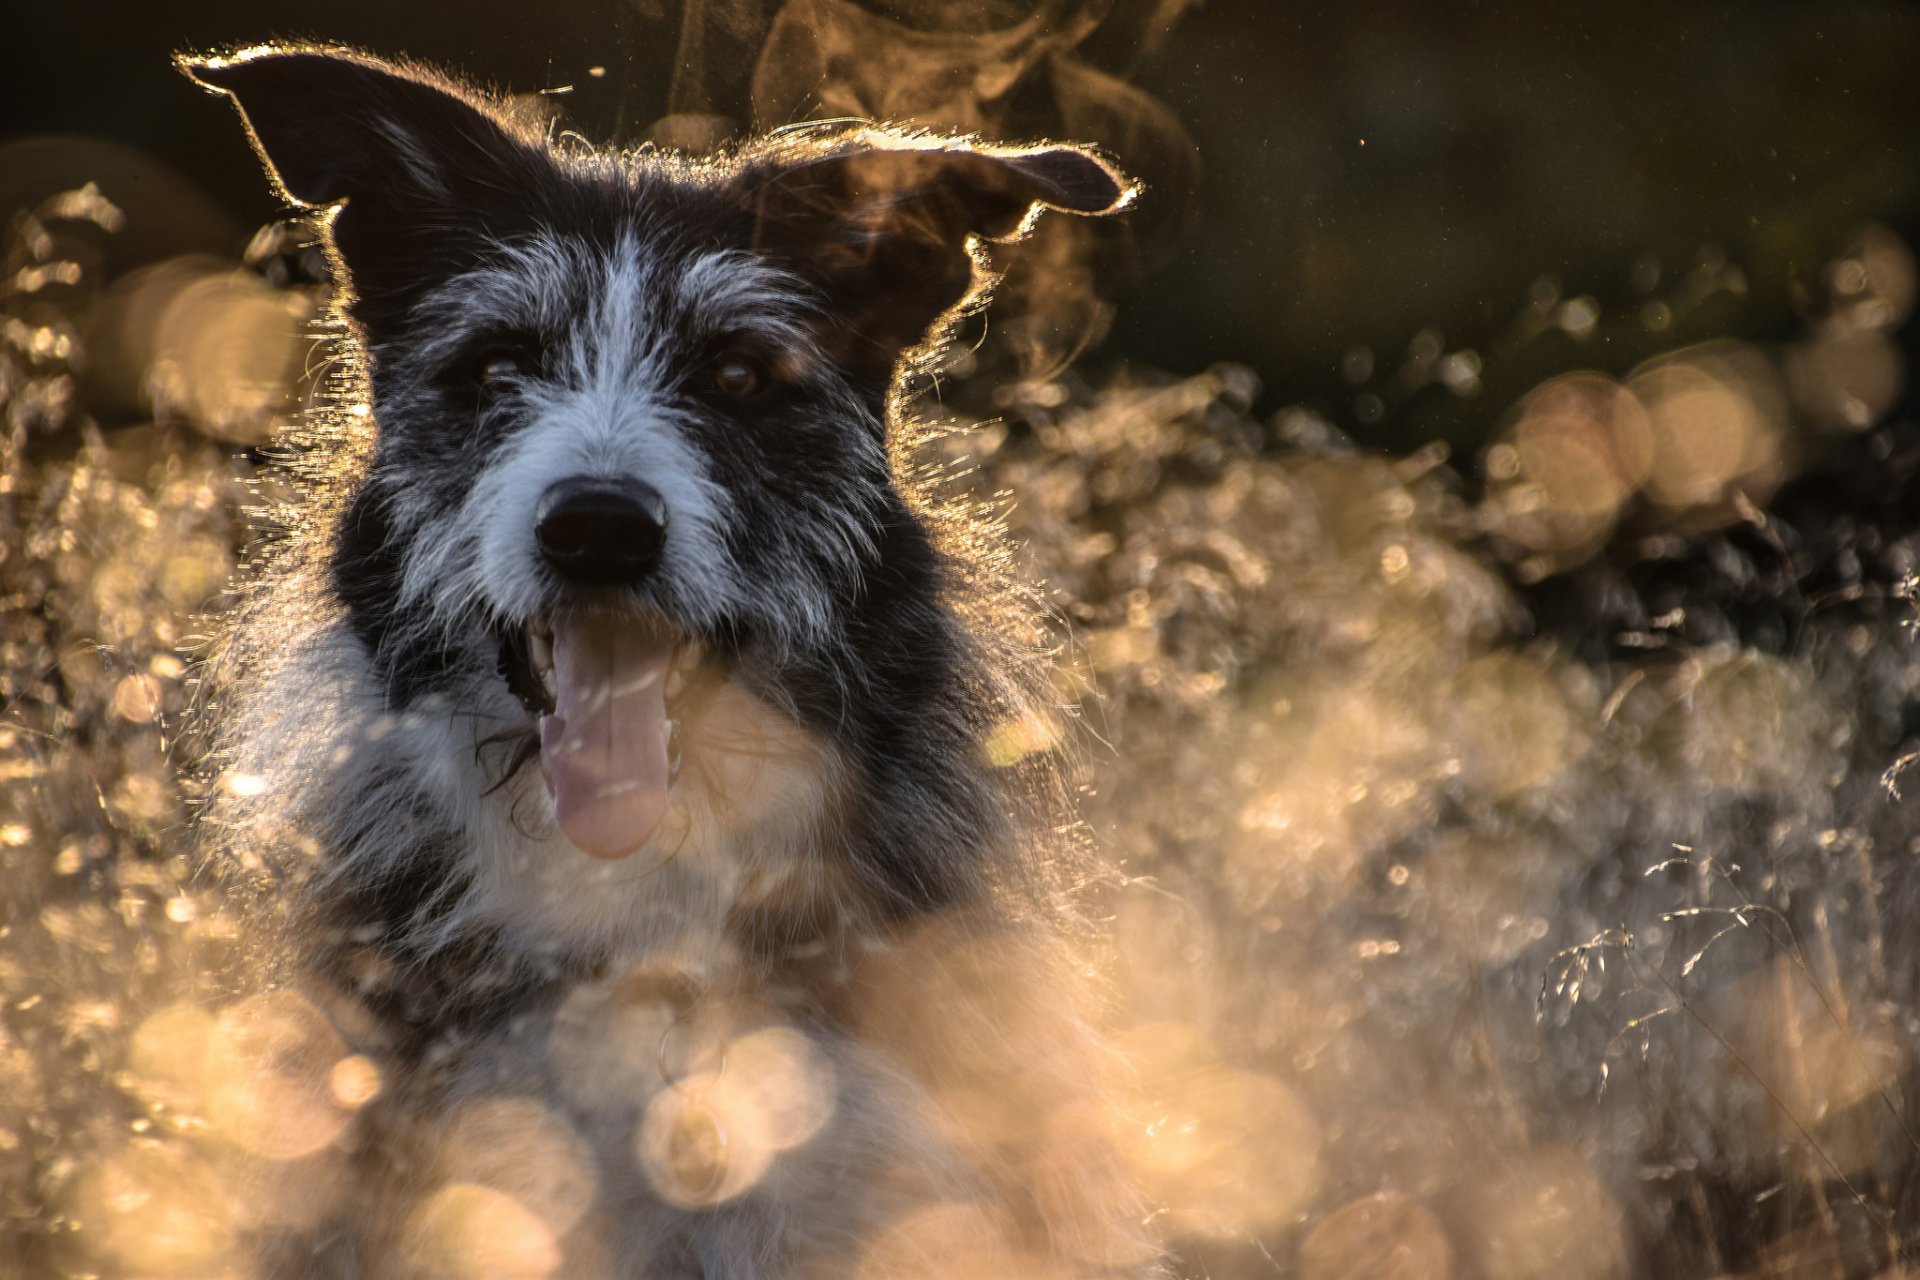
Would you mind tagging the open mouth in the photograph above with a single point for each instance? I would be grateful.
(611, 693)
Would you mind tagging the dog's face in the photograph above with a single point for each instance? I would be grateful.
(632, 411)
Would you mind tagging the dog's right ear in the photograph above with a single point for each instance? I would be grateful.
(399, 150)
(886, 221)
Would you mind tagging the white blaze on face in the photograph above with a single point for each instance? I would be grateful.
(604, 749)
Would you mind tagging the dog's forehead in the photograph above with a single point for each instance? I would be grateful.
(644, 254)
(550, 274)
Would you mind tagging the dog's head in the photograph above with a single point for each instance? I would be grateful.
(632, 408)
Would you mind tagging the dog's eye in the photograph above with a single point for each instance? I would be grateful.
(738, 375)
(497, 368)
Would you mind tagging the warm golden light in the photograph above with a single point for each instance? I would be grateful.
(354, 1081)
(270, 1063)
(1580, 450)
(1512, 724)
(1493, 746)
(465, 1230)
(1715, 414)
(1543, 1215)
(1797, 1064)
(710, 1135)
(525, 1152)
(1231, 1152)
(1388, 1236)
(216, 347)
(155, 1209)
(949, 1242)
(1846, 380)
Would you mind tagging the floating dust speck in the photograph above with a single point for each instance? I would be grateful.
(690, 1149)
(1579, 317)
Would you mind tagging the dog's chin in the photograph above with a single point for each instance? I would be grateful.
(611, 695)
(749, 789)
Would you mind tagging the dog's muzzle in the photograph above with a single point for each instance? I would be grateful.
(601, 532)
(608, 680)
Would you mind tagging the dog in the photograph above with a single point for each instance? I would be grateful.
(611, 724)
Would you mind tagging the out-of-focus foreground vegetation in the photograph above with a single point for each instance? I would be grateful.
(1501, 720)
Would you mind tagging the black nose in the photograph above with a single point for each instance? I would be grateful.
(601, 532)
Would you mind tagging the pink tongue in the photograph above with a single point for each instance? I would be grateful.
(605, 745)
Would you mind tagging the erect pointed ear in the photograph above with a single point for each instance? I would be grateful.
(401, 147)
(885, 221)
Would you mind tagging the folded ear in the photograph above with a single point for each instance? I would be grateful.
(401, 147)
(885, 221)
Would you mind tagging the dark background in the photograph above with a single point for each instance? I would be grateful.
(1364, 172)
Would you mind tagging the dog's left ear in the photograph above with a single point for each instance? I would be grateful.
(412, 159)
(885, 222)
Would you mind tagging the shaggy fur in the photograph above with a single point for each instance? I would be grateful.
(848, 914)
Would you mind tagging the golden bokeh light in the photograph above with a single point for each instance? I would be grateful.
(524, 1151)
(462, 1230)
(1542, 1216)
(197, 340)
(1514, 728)
(784, 1084)
(1797, 1063)
(1230, 1152)
(155, 1209)
(167, 1058)
(354, 1081)
(692, 1151)
(270, 1063)
(1845, 380)
(1580, 449)
(136, 698)
(1752, 724)
(726, 1105)
(950, 1242)
(1587, 441)
(1717, 418)
(1373, 752)
(1386, 1236)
